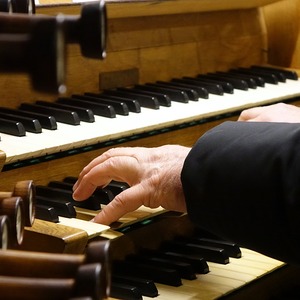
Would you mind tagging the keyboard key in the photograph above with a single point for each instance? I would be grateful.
(61, 115)
(12, 127)
(98, 109)
(120, 108)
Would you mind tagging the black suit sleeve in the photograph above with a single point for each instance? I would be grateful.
(242, 182)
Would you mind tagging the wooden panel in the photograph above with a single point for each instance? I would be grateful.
(134, 8)
(282, 25)
(160, 47)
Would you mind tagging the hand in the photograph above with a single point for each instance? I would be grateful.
(153, 175)
(279, 112)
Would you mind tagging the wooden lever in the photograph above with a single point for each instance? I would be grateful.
(84, 283)
(41, 264)
(88, 29)
(26, 190)
(17, 6)
(14, 208)
(36, 44)
(90, 271)
(40, 53)
(23, 6)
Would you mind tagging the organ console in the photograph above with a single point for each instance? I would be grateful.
(151, 46)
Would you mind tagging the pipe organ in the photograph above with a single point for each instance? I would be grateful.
(137, 73)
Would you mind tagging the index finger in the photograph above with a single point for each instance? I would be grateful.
(113, 152)
(125, 202)
(119, 168)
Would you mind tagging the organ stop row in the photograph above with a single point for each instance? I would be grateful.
(168, 71)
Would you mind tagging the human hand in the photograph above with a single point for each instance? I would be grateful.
(279, 112)
(153, 175)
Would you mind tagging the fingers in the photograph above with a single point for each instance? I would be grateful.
(114, 152)
(152, 174)
(127, 201)
(119, 168)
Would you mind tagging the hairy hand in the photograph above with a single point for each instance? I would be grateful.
(153, 175)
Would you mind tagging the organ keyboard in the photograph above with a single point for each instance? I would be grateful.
(151, 41)
(67, 137)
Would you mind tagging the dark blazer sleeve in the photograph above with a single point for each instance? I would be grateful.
(242, 182)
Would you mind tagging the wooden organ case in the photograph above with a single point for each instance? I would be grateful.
(151, 41)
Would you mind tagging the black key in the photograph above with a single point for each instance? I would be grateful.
(30, 125)
(149, 101)
(227, 87)
(46, 213)
(144, 100)
(117, 187)
(278, 73)
(164, 100)
(192, 94)
(85, 115)
(198, 263)
(100, 195)
(269, 78)
(213, 254)
(230, 248)
(98, 109)
(60, 115)
(212, 88)
(62, 208)
(125, 291)
(119, 107)
(177, 96)
(258, 79)
(105, 195)
(70, 179)
(66, 194)
(184, 269)
(49, 192)
(12, 127)
(250, 81)
(45, 121)
(145, 286)
(239, 84)
(199, 91)
(61, 185)
(133, 105)
(160, 275)
(289, 74)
